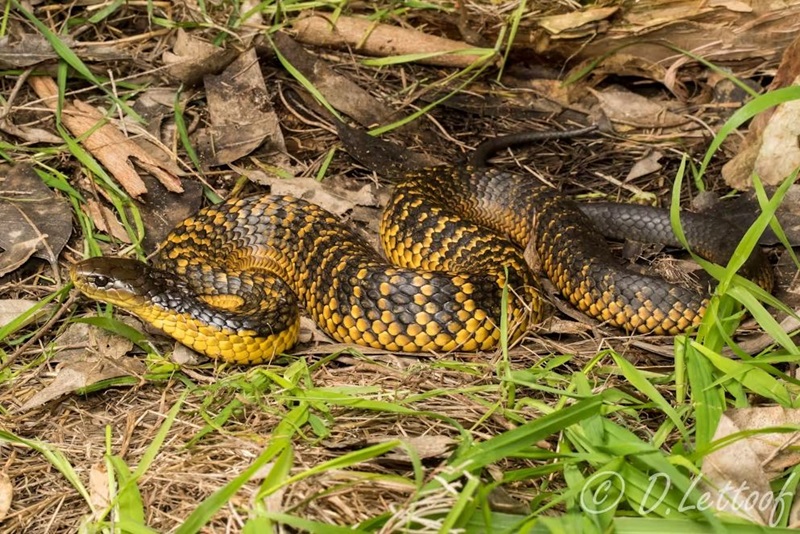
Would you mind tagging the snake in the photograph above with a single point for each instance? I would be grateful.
(230, 282)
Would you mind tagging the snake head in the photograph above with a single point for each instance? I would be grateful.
(119, 281)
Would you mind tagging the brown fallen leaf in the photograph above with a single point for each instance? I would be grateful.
(17, 254)
(241, 113)
(28, 133)
(106, 143)
(106, 220)
(738, 475)
(80, 368)
(630, 109)
(10, 309)
(363, 36)
(779, 154)
(31, 49)
(380, 156)
(192, 58)
(6, 495)
(35, 220)
(576, 23)
(183, 355)
(334, 199)
(77, 375)
(738, 171)
(165, 209)
(99, 491)
(342, 93)
(647, 165)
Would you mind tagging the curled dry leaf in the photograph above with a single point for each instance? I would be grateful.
(106, 220)
(737, 476)
(363, 36)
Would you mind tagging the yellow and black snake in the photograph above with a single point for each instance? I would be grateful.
(229, 282)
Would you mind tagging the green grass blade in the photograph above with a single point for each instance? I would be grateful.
(634, 376)
(129, 498)
(753, 378)
(510, 442)
(744, 114)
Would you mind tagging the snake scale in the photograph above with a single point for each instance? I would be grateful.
(230, 281)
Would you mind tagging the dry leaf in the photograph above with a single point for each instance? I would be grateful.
(241, 113)
(10, 309)
(628, 108)
(80, 368)
(164, 209)
(17, 254)
(35, 221)
(363, 36)
(6, 495)
(427, 446)
(183, 355)
(336, 200)
(738, 171)
(106, 220)
(192, 58)
(27, 133)
(733, 5)
(381, 156)
(737, 476)
(31, 49)
(779, 154)
(99, 492)
(342, 93)
(77, 375)
(647, 165)
(556, 24)
(106, 143)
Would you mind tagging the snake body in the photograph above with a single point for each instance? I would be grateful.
(229, 281)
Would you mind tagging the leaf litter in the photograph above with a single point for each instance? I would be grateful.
(464, 388)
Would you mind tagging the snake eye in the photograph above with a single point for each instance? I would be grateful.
(101, 281)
